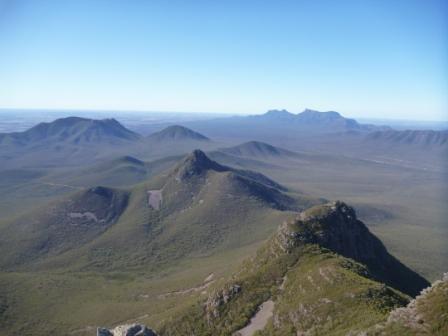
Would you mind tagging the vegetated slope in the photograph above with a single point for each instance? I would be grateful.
(204, 206)
(257, 149)
(313, 288)
(427, 314)
(123, 171)
(177, 133)
(61, 226)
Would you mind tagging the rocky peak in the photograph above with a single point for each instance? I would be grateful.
(335, 226)
(196, 164)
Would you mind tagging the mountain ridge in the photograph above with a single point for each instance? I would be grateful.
(310, 288)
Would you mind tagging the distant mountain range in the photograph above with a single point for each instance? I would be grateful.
(311, 118)
(78, 141)
(75, 141)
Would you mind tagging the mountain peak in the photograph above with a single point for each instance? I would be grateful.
(279, 114)
(335, 226)
(316, 112)
(324, 119)
(322, 224)
(197, 163)
(177, 133)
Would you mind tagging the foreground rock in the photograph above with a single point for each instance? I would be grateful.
(427, 314)
(126, 330)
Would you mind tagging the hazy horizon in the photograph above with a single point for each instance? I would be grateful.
(63, 111)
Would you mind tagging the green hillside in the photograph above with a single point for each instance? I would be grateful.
(204, 206)
(313, 290)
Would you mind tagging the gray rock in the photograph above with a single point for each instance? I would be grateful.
(126, 330)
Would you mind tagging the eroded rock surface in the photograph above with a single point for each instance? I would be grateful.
(126, 330)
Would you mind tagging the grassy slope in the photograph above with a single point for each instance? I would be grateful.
(146, 252)
(316, 291)
(404, 206)
(323, 294)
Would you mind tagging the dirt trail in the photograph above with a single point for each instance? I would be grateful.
(259, 320)
(264, 313)
(207, 282)
(155, 199)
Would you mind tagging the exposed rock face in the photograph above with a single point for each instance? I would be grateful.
(336, 227)
(218, 299)
(126, 330)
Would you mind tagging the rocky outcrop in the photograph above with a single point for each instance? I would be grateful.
(126, 330)
(220, 298)
(425, 315)
(335, 226)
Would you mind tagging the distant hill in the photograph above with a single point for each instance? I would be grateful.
(424, 138)
(319, 274)
(314, 120)
(65, 142)
(72, 130)
(196, 207)
(277, 116)
(177, 133)
(257, 149)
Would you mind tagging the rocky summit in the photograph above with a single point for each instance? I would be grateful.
(336, 227)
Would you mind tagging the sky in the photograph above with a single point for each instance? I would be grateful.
(368, 59)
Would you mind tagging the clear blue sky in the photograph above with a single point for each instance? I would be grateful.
(379, 58)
